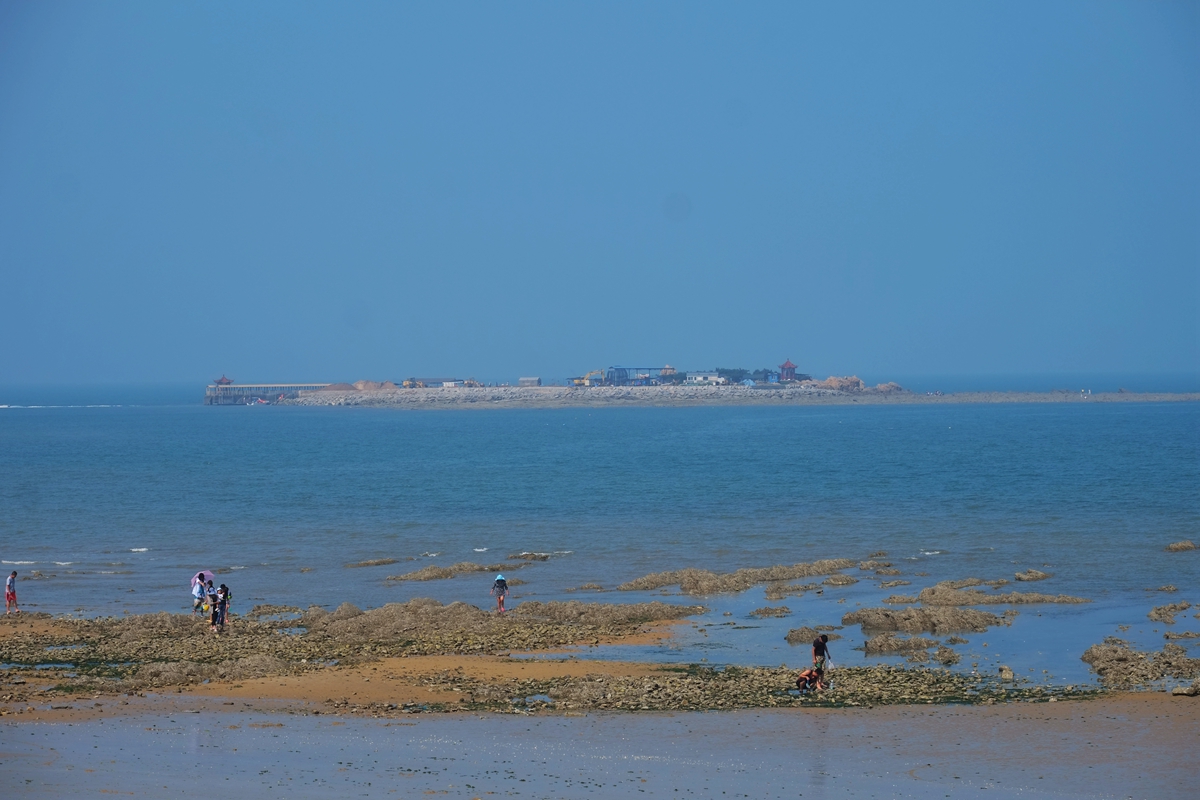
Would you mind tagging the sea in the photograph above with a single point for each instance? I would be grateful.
(109, 510)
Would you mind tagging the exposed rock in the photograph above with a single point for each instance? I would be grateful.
(702, 582)
(807, 635)
(771, 611)
(1181, 547)
(872, 565)
(946, 656)
(1170, 587)
(375, 562)
(1006, 673)
(434, 573)
(887, 571)
(938, 620)
(1166, 614)
(900, 599)
(1184, 691)
(894, 584)
(836, 384)
(945, 594)
(1181, 635)
(963, 583)
(1120, 666)
(778, 591)
(891, 644)
(1033, 575)
(840, 580)
(529, 557)
(267, 609)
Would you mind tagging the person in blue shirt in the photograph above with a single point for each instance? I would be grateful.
(198, 595)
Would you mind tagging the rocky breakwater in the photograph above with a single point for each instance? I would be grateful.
(367, 393)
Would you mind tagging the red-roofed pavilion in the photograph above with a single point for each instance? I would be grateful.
(787, 371)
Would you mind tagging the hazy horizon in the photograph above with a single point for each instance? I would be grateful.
(335, 192)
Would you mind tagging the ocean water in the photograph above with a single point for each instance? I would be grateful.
(116, 507)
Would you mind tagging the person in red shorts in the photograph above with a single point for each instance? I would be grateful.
(10, 594)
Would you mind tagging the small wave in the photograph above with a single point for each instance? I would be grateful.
(480, 549)
(64, 563)
(18, 562)
(431, 555)
(932, 552)
(138, 549)
(237, 568)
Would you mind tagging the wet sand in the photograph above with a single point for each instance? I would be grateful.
(1126, 745)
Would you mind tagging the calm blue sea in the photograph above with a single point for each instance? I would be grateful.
(116, 507)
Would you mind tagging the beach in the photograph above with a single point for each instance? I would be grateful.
(379, 725)
(999, 581)
(263, 739)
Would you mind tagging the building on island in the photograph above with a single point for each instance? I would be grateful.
(787, 371)
(529, 381)
(705, 379)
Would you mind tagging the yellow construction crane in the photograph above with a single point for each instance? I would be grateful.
(586, 380)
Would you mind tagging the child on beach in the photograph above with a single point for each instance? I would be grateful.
(499, 590)
(10, 594)
(224, 596)
(211, 591)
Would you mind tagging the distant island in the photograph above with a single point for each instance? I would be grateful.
(470, 394)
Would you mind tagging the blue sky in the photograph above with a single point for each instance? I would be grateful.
(318, 191)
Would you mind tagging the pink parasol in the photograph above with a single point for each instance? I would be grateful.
(203, 576)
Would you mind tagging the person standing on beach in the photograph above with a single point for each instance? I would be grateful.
(198, 597)
(499, 590)
(223, 598)
(212, 605)
(10, 594)
(821, 653)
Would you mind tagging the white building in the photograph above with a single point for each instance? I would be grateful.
(704, 379)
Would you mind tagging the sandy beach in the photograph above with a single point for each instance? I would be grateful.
(257, 742)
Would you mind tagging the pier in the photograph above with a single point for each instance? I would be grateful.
(224, 392)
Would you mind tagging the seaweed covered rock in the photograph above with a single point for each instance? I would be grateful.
(1166, 614)
(936, 620)
(948, 593)
(1033, 575)
(1120, 666)
(703, 582)
(807, 635)
(891, 644)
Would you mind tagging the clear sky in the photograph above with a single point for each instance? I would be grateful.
(321, 191)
